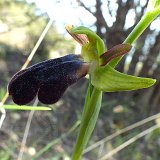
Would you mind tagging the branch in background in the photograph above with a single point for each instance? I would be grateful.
(100, 20)
(119, 25)
(151, 58)
(121, 13)
(138, 52)
(138, 17)
(80, 3)
(143, 9)
(109, 9)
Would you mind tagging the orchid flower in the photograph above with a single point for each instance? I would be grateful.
(49, 79)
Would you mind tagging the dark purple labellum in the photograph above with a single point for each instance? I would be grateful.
(48, 80)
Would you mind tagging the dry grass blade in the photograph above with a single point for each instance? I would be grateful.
(36, 101)
(37, 44)
(142, 122)
(24, 66)
(3, 112)
(20, 155)
(100, 150)
(130, 141)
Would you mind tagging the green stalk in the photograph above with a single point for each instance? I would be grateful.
(141, 26)
(137, 31)
(89, 119)
(88, 96)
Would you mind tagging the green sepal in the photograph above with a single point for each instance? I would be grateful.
(94, 48)
(107, 79)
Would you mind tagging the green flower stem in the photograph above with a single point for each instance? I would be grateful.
(94, 97)
(137, 31)
(88, 96)
(141, 26)
(89, 119)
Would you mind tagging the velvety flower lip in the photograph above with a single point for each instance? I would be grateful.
(48, 79)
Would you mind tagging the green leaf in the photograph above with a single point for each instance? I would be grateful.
(16, 107)
(108, 79)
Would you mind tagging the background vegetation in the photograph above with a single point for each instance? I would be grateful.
(21, 24)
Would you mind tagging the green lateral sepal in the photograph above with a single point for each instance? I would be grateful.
(107, 79)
